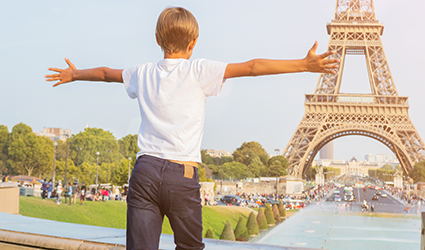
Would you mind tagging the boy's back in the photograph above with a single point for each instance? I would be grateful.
(171, 95)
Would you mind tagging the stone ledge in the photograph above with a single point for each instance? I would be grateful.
(21, 240)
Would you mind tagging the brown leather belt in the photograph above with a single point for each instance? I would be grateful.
(188, 167)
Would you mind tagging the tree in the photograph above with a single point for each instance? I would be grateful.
(227, 233)
(29, 153)
(4, 135)
(282, 210)
(276, 213)
(387, 167)
(128, 146)
(236, 170)
(418, 172)
(206, 158)
(121, 172)
(249, 150)
(241, 232)
(93, 140)
(72, 172)
(252, 225)
(256, 167)
(209, 234)
(269, 215)
(87, 173)
(279, 162)
(261, 219)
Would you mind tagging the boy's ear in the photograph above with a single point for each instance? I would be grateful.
(192, 44)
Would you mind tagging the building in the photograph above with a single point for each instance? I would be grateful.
(55, 134)
(380, 158)
(369, 157)
(217, 153)
(351, 167)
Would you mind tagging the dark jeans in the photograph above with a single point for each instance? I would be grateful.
(158, 188)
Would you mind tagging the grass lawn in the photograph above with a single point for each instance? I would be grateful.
(113, 214)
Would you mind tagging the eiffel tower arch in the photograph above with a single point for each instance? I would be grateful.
(382, 115)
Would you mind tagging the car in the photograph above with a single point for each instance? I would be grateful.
(375, 197)
(231, 199)
(348, 198)
(378, 193)
(337, 197)
(272, 202)
(253, 204)
(383, 195)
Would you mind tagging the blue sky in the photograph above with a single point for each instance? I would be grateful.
(36, 35)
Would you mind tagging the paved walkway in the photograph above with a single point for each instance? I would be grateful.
(35, 232)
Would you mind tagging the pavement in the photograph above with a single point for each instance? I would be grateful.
(21, 232)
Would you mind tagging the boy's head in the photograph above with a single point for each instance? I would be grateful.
(175, 29)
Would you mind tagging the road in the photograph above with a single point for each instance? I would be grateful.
(383, 205)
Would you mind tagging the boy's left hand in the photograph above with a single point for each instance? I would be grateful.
(319, 63)
(64, 76)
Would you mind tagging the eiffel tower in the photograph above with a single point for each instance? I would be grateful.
(329, 114)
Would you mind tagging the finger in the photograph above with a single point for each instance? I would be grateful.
(331, 66)
(331, 61)
(53, 75)
(71, 65)
(57, 84)
(55, 69)
(328, 71)
(53, 79)
(314, 48)
(326, 54)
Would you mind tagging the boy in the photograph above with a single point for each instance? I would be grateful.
(171, 96)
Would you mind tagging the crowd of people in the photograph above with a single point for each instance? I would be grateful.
(71, 192)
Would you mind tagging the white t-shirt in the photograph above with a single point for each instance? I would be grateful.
(171, 95)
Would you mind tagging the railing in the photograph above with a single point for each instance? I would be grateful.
(356, 99)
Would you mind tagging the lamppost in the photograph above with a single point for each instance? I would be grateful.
(66, 158)
(97, 168)
(277, 165)
(54, 163)
(129, 167)
(78, 163)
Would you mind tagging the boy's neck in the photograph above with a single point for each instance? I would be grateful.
(178, 55)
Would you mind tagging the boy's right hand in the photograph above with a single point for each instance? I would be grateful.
(64, 76)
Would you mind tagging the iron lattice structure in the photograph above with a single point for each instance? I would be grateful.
(329, 114)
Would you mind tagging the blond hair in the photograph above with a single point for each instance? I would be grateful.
(175, 29)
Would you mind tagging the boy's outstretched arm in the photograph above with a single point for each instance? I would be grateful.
(71, 74)
(258, 67)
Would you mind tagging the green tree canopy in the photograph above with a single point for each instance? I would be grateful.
(252, 225)
(241, 233)
(249, 150)
(387, 167)
(121, 172)
(261, 219)
(236, 170)
(418, 172)
(128, 146)
(93, 140)
(4, 135)
(279, 162)
(29, 153)
(227, 233)
(209, 233)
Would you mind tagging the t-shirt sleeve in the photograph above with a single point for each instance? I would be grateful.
(211, 76)
(130, 77)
